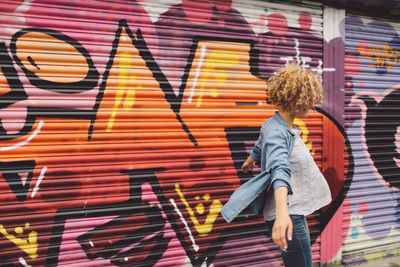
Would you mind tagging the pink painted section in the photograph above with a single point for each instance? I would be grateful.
(305, 20)
(277, 24)
(332, 237)
(71, 250)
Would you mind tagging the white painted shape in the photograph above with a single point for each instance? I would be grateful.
(331, 21)
(91, 244)
(251, 12)
(203, 50)
(34, 191)
(194, 245)
(297, 57)
(287, 59)
(25, 6)
(23, 262)
(22, 143)
(157, 7)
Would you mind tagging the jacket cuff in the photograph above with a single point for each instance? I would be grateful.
(280, 183)
(254, 156)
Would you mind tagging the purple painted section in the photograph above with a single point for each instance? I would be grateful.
(239, 251)
(296, 46)
(180, 26)
(371, 80)
(333, 81)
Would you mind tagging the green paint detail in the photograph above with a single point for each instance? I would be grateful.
(377, 256)
(354, 233)
(395, 252)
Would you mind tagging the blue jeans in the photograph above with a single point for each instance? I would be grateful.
(298, 253)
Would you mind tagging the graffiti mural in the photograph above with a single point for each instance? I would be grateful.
(373, 115)
(123, 154)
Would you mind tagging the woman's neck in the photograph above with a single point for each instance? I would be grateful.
(288, 117)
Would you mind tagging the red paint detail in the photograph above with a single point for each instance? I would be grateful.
(221, 22)
(334, 158)
(361, 84)
(305, 20)
(352, 65)
(10, 7)
(277, 24)
(363, 48)
(363, 208)
(223, 5)
(197, 12)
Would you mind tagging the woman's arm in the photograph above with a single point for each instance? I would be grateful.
(283, 224)
(277, 162)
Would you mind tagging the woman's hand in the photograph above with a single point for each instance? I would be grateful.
(248, 165)
(282, 227)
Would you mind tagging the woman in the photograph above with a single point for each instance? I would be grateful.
(290, 185)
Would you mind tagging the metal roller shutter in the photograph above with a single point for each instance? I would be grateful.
(372, 120)
(124, 125)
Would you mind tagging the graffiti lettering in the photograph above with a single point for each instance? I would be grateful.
(380, 56)
(43, 71)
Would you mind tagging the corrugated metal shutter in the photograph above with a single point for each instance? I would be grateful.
(124, 126)
(372, 119)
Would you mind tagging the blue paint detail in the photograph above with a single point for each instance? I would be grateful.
(354, 233)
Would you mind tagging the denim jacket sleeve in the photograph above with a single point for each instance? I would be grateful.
(276, 147)
(255, 153)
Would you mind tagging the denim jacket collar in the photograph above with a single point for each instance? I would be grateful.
(280, 120)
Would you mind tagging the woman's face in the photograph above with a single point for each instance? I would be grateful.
(302, 111)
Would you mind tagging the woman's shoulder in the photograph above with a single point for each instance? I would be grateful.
(273, 129)
(271, 126)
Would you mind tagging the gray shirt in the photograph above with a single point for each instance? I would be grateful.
(310, 189)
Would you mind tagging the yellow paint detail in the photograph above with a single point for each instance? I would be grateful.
(375, 256)
(130, 98)
(380, 57)
(200, 208)
(19, 230)
(304, 136)
(395, 252)
(126, 89)
(29, 246)
(215, 208)
(215, 66)
(206, 197)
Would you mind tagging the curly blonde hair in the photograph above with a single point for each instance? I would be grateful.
(293, 85)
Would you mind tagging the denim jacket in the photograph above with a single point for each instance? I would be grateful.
(271, 150)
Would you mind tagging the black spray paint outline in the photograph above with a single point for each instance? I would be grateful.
(253, 62)
(17, 92)
(87, 83)
(337, 202)
(139, 43)
(136, 179)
